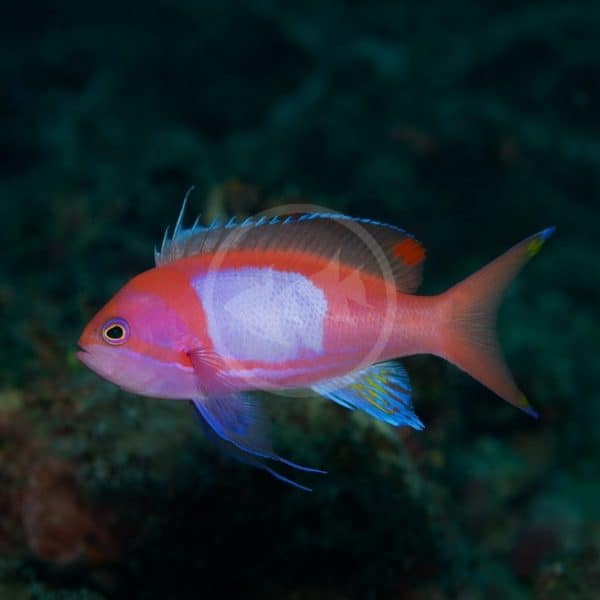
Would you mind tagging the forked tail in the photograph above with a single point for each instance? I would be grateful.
(469, 309)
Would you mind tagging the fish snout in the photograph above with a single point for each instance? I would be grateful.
(82, 352)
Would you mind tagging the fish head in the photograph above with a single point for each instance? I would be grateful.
(139, 340)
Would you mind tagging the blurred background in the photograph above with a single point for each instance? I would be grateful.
(471, 124)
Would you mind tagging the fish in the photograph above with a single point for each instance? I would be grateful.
(314, 300)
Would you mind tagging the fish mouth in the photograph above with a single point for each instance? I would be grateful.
(81, 353)
(94, 359)
(90, 359)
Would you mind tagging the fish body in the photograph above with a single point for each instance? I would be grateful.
(319, 301)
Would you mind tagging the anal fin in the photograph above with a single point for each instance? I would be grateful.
(381, 390)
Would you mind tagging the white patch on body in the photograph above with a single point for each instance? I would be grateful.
(262, 314)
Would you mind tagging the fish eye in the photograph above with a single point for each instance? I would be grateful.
(115, 332)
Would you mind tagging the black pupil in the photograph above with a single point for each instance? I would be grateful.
(115, 332)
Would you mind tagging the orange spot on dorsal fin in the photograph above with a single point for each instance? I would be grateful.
(409, 251)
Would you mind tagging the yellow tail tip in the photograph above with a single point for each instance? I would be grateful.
(525, 406)
(537, 241)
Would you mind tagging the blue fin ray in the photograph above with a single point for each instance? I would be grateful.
(236, 417)
(241, 431)
(381, 390)
(232, 451)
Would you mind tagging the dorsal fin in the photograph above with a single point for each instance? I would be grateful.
(374, 247)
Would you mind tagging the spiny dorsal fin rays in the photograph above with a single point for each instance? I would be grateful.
(364, 244)
(173, 247)
(158, 253)
(182, 212)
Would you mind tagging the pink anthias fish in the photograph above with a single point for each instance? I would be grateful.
(318, 301)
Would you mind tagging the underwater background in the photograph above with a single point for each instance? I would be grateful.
(471, 124)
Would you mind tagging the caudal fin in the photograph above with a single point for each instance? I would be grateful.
(469, 321)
